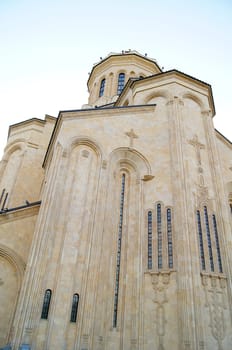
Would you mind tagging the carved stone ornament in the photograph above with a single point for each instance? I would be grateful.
(131, 134)
(176, 100)
(104, 164)
(84, 341)
(148, 177)
(160, 282)
(198, 147)
(64, 153)
(100, 342)
(215, 302)
(85, 153)
(202, 195)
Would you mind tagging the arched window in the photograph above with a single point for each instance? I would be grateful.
(210, 249)
(217, 243)
(159, 236)
(121, 82)
(46, 304)
(169, 238)
(102, 87)
(200, 240)
(116, 289)
(149, 238)
(75, 302)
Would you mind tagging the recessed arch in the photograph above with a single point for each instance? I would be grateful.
(15, 260)
(84, 140)
(12, 269)
(138, 162)
(196, 99)
(18, 144)
(156, 94)
(11, 164)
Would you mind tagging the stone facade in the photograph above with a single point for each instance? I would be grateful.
(115, 219)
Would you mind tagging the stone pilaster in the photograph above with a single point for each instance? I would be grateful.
(187, 335)
(221, 201)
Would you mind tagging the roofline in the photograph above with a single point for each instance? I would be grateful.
(27, 121)
(133, 81)
(224, 137)
(123, 54)
(104, 108)
(83, 111)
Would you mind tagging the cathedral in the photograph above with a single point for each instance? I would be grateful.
(116, 218)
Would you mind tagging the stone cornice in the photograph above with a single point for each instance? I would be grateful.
(30, 122)
(92, 113)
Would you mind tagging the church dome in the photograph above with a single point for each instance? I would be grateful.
(109, 76)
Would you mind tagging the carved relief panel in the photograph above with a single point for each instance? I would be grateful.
(217, 309)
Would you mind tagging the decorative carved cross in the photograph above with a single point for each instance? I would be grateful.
(198, 146)
(132, 136)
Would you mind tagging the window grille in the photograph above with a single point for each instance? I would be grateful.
(46, 304)
(217, 244)
(202, 255)
(209, 239)
(149, 233)
(169, 237)
(116, 290)
(159, 236)
(121, 82)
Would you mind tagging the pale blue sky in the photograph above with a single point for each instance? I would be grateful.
(48, 48)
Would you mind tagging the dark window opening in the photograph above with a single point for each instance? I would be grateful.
(121, 82)
(75, 302)
(102, 87)
(46, 304)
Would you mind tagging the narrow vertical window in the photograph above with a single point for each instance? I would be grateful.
(159, 236)
(121, 82)
(116, 290)
(169, 237)
(200, 240)
(75, 302)
(4, 200)
(102, 87)
(1, 198)
(217, 244)
(149, 234)
(230, 201)
(46, 304)
(209, 239)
